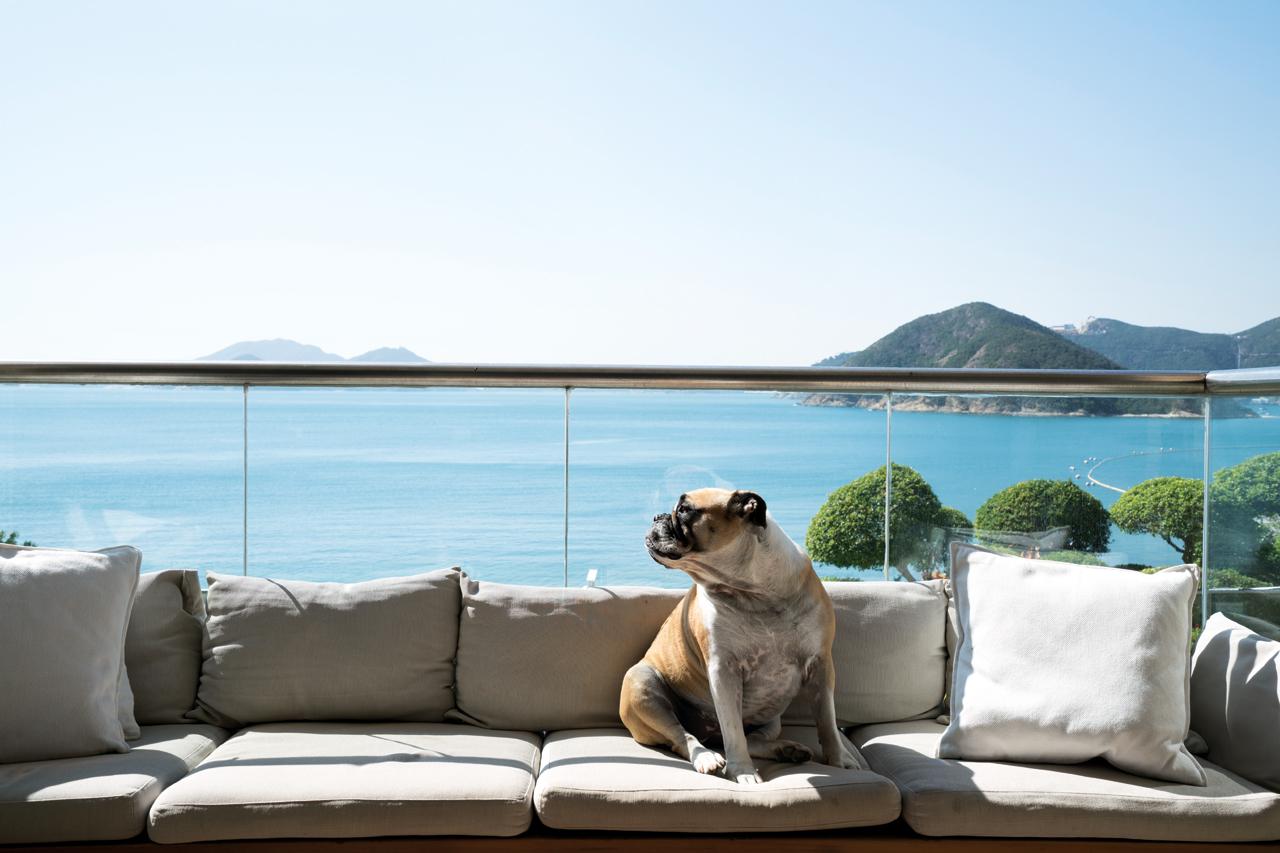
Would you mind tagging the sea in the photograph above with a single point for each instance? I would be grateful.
(353, 484)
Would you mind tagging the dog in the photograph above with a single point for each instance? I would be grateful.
(754, 630)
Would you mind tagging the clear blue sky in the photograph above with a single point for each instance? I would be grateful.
(626, 182)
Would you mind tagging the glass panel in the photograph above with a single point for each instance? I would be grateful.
(1244, 508)
(347, 484)
(633, 453)
(159, 468)
(1045, 477)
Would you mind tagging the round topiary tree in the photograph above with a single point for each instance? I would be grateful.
(1036, 506)
(1244, 514)
(949, 516)
(848, 530)
(1169, 507)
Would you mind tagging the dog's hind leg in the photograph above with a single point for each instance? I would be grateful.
(765, 743)
(648, 710)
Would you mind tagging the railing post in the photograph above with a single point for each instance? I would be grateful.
(244, 480)
(888, 475)
(1204, 518)
(567, 390)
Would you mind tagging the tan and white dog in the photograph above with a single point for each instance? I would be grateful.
(754, 630)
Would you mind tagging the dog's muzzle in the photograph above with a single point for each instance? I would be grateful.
(663, 539)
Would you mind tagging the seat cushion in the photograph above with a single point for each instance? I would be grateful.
(98, 797)
(602, 779)
(1092, 800)
(354, 780)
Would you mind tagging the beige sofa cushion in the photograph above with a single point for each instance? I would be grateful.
(890, 652)
(163, 647)
(98, 797)
(354, 780)
(602, 779)
(1235, 699)
(295, 650)
(949, 797)
(1064, 663)
(63, 615)
(539, 658)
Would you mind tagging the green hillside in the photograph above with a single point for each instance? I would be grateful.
(976, 335)
(979, 335)
(1155, 347)
(1260, 346)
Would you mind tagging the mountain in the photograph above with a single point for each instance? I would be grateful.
(278, 349)
(1154, 347)
(1260, 346)
(283, 350)
(976, 335)
(390, 355)
(983, 336)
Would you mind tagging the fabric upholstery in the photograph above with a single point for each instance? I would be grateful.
(163, 646)
(98, 797)
(890, 652)
(293, 650)
(602, 779)
(1092, 800)
(350, 780)
(63, 687)
(1063, 663)
(1235, 699)
(539, 658)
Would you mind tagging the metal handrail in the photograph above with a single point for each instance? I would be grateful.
(846, 380)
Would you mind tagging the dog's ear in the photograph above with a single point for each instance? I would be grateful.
(748, 505)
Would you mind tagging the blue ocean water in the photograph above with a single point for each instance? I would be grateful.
(349, 484)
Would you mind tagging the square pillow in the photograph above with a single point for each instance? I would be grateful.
(1061, 663)
(63, 616)
(162, 650)
(284, 650)
(1235, 699)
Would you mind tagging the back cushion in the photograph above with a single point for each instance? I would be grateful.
(278, 650)
(163, 647)
(890, 652)
(546, 658)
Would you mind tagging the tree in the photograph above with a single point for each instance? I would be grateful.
(1169, 507)
(1244, 514)
(949, 516)
(12, 539)
(1036, 506)
(848, 530)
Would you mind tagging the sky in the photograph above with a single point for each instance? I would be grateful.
(624, 182)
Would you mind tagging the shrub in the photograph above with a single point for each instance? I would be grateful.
(1034, 506)
(1171, 508)
(848, 530)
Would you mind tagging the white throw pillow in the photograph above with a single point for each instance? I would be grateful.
(63, 617)
(1235, 699)
(1061, 663)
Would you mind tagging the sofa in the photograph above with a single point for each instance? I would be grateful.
(442, 705)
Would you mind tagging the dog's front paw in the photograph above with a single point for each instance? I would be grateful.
(790, 750)
(706, 760)
(849, 760)
(743, 774)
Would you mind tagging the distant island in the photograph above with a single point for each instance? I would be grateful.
(284, 350)
(980, 335)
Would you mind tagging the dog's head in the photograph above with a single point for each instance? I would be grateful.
(707, 533)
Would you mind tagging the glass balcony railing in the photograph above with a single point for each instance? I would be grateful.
(550, 475)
